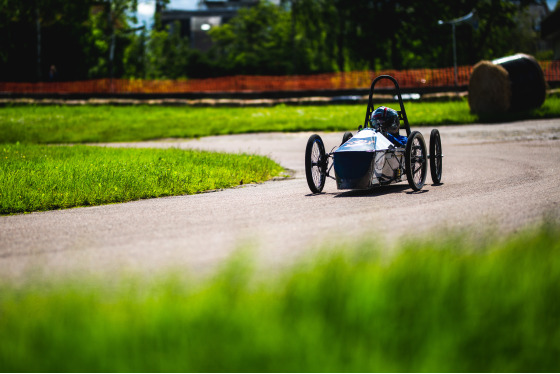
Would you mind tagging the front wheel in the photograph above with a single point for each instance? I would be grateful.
(416, 161)
(435, 156)
(315, 163)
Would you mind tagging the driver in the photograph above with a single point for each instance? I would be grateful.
(387, 121)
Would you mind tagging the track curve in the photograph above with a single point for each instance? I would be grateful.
(495, 177)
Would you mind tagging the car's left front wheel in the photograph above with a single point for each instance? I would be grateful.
(416, 161)
(435, 156)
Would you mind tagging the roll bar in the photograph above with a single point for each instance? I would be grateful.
(402, 112)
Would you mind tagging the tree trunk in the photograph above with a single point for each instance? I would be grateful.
(38, 25)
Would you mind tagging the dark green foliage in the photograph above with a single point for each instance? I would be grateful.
(61, 27)
(338, 35)
(167, 54)
(299, 37)
(455, 305)
(256, 41)
(74, 36)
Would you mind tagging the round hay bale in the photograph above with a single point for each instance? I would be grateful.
(528, 86)
(489, 88)
(514, 83)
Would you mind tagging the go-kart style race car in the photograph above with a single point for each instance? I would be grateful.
(377, 155)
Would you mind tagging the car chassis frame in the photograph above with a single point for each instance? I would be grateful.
(373, 157)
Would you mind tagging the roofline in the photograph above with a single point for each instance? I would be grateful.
(186, 14)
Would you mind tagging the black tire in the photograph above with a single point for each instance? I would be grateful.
(416, 164)
(315, 163)
(347, 136)
(436, 156)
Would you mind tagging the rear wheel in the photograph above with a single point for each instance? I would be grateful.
(435, 156)
(315, 163)
(416, 161)
(347, 136)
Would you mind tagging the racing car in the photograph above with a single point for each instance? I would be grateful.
(377, 154)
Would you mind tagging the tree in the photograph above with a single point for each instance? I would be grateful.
(93, 39)
(108, 35)
(134, 58)
(41, 33)
(168, 54)
(256, 41)
(75, 36)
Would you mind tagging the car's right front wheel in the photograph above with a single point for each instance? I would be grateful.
(315, 163)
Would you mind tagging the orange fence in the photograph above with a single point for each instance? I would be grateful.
(408, 79)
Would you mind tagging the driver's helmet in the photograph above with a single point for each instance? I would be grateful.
(386, 119)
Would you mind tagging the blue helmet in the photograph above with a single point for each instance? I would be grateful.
(386, 119)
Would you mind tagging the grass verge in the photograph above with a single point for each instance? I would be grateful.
(40, 177)
(68, 124)
(454, 305)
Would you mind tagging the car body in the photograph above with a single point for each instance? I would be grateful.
(366, 160)
(374, 157)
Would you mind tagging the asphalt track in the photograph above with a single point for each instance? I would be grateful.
(495, 178)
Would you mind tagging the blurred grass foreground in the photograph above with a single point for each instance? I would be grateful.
(455, 305)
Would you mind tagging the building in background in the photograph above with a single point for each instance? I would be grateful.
(195, 24)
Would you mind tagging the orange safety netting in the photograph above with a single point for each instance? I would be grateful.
(408, 79)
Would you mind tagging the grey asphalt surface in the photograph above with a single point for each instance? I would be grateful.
(495, 178)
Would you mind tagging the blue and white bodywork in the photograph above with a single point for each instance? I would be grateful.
(369, 159)
(378, 154)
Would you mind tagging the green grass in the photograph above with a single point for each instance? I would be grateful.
(451, 305)
(77, 124)
(40, 177)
